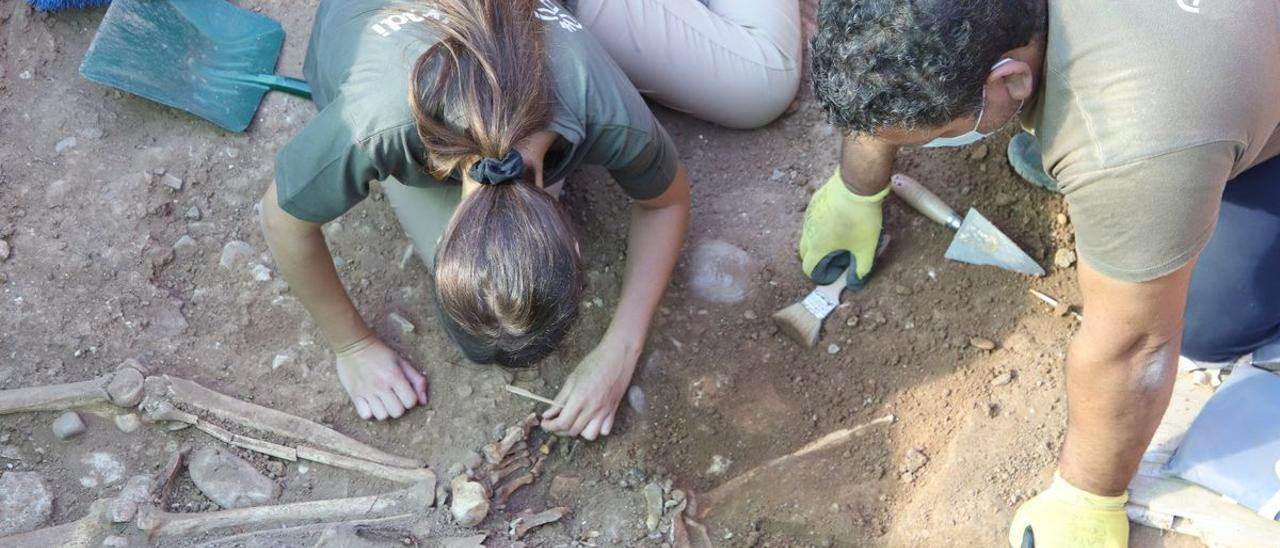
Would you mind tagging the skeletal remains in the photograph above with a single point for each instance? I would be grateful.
(174, 403)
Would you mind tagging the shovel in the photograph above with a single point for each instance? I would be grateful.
(977, 241)
(206, 57)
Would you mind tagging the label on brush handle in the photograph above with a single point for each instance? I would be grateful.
(819, 305)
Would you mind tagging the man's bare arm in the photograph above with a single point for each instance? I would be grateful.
(1120, 372)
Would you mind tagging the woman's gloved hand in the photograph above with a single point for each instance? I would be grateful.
(1064, 516)
(840, 225)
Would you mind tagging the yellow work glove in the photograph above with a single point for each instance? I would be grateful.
(1066, 517)
(840, 227)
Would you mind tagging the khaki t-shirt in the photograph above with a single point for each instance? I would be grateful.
(1147, 110)
(359, 62)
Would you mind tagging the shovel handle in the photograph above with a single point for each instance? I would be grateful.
(292, 86)
(924, 201)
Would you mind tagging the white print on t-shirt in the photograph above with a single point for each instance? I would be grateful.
(1192, 6)
(551, 12)
(397, 21)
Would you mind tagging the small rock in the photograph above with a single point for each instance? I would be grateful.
(750, 315)
(1004, 200)
(833, 348)
(902, 290)
(653, 506)
(281, 360)
(777, 175)
(470, 502)
(1002, 379)
(915, 460)
(69, 142)
(115, 541)
(637, 400)
(261, 273)
(719, 465)
(403, 324)
(92, 133)
(184, 242)
(982, 344)
(68, 425)
(25, 502)
(4, 250)
(128, 422)
(170, 181)
(193, 214)
(1064, 258)
(228, 480)
(1061, 309)
(121, 511)
(980, 152)
(234, 253)
(1061, 219)
(1200, 377)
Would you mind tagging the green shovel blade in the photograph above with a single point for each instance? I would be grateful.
(206, 57)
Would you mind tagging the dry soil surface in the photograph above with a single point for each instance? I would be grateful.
(109, 263)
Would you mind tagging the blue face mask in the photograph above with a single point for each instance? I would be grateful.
(973, 135)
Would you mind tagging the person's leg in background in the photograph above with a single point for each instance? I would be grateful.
(737, 63)
(424, 213)
(1233, 305)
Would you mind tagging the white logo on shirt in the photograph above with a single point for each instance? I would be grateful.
(397, 21)
(551, 12)
(1192, 6)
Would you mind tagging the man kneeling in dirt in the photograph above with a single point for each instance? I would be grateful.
(1159, 122)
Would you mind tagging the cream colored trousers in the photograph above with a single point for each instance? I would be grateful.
(736, 63)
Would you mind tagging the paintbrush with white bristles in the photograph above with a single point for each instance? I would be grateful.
(802, 321)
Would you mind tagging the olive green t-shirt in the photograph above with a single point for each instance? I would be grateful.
(359, 62)
(1147, 110)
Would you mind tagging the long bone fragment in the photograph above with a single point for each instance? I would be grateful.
(393, 473)
(283, 536)
(249, 415)
(112, 389)
(415, 500)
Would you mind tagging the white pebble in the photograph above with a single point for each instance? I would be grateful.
(281, 360)
(833, 349)
(637, 399)
(128, 422)
(69, 142)
(261, 273)
(402, 323)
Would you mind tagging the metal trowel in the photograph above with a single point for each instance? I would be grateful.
(977, 241)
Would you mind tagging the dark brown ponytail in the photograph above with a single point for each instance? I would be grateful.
(507, 271)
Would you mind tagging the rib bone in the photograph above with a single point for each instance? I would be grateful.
(257, 417)
(503, 493)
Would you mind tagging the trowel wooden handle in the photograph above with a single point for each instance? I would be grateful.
(926, 202)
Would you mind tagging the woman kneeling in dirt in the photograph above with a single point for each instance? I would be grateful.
(465, 109)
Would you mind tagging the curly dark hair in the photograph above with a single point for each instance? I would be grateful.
(913, 63)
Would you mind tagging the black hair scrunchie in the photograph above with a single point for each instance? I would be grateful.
(492, 171)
